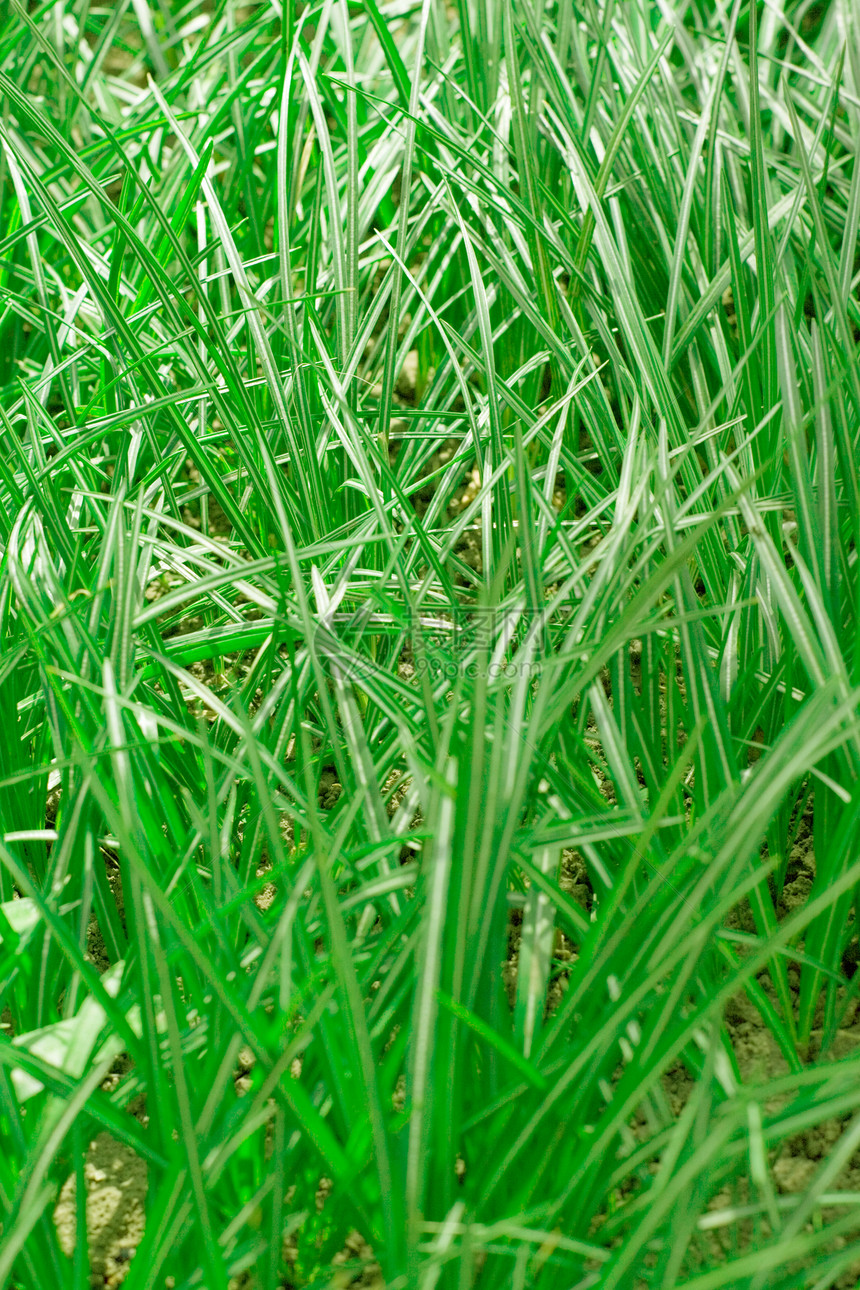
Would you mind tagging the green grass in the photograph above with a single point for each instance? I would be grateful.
(458, 404)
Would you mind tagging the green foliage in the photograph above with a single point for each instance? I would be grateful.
(428, 467)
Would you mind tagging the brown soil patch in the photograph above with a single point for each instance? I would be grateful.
(116, 1185)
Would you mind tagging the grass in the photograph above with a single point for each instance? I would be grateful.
(428, 640)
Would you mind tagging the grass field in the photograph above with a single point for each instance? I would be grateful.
(429, 669)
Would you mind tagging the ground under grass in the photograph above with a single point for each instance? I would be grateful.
(430, 754)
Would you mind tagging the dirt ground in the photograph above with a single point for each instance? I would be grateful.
(116, 1196)
(116, 1178)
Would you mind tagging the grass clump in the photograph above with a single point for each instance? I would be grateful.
(430, 773)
